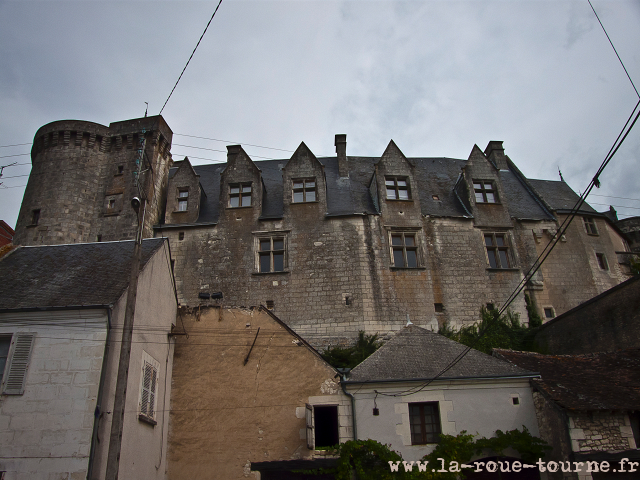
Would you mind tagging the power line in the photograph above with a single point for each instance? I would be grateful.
(231, 142)
(614, 48)
(15, 145)
(194, 51)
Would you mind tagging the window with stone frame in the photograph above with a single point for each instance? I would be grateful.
(398, 188)
(590, 225)
(304, 190)
(271, 253)
(239, 195)
(485, 191)
(602, 261)
(183, 199)
(497, 245)
(404, 249)
(148, 389)
(424, 419)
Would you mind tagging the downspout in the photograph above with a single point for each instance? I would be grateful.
(98, 411)
(353, 406)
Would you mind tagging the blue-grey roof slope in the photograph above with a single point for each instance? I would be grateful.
(418, 354)
(559, 196)
(79, 274)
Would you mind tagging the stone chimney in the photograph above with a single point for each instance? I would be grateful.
(232, 152)
(495, 154)
(341, 151)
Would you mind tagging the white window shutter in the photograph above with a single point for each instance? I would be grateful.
(311, 440)
(149, 386)
(19, 357)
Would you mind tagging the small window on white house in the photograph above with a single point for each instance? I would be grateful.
(148, 389)
(15, 354)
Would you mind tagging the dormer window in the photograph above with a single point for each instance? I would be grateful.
(183, 199)
(239, 195)
(590, 225)
(304, 190)
(397, 188)
(485, 191)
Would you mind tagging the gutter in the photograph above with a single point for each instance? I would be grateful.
(47, 309)
(343, 383)
(407, 380)
(98, 411)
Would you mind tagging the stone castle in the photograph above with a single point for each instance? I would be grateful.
(331, 245)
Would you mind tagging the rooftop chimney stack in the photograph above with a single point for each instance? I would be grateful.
(232, 152)
(495, 154)
(341, 151)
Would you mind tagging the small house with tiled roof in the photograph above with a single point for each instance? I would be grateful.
(420, 384)
(62, 311)
(588, 406)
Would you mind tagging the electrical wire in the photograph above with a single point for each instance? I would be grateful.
(614, 48)
(194, 51)
(231, 142)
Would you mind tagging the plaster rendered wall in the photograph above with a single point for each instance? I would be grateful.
(571, 274)
(479, 407)
(144, 446)
(46, 432)
(225, 414)
(611, 322)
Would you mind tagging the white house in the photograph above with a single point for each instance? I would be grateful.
(61, 315)
(396, 402)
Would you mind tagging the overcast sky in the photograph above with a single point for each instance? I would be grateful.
(437, 77)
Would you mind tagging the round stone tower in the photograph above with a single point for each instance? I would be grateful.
(84, 175)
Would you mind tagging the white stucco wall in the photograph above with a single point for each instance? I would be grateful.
(479, 407)
(144, 446)
(46, 432)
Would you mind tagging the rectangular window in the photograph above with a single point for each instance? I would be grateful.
(590, 225)
(304, 190)
(485, 191)
(548, 312)
(239, 195)
(497, 245)
(425, 423)
(35, 217)
(5, 344)
(271, 254)
(322, 426)
(148, 388)
(404, 250)
(397, 188)
(183, 199)
(602, 261)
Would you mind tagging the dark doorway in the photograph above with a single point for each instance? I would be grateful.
(326, 425)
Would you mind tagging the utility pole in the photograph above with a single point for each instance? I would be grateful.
(115, 439)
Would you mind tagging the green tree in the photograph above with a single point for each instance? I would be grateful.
(350, 356)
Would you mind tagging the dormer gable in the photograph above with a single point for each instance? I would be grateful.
(183, 194)
(241, 185)
(394, 158)
(481, 190)
(304, 183)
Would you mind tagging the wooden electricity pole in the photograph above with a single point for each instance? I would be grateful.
(117, 423)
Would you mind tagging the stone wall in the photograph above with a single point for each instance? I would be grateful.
(600, 432)
(82, 181)
(608, 322)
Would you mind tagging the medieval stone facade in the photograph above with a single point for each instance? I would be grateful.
(332, 245)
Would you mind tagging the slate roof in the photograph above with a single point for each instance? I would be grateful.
(79, 274)
(559, 196)
(417, 354)
(597, 381)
